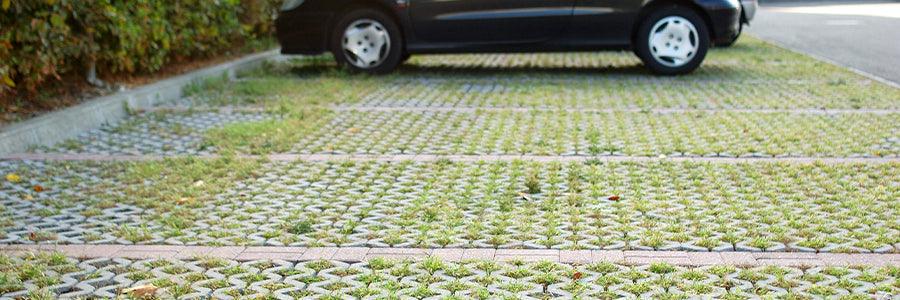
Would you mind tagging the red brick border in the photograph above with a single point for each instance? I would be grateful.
(357, 254)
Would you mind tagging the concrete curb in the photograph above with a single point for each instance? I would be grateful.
(49, 129)
(358, 254)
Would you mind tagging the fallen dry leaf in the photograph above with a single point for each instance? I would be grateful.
(29, 197)
(38, 188)
(576, 276)
(614, 198)
(524, 195)
(186, 200)
(13, 178)
(141, 291)
(354, 129)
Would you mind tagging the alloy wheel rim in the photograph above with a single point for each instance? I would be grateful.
(366, 43)
(673, 41)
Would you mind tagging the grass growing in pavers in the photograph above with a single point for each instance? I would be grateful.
(753, 74)
(751, 59)
(612, 94)
(600, 133)
(50, 275)
(593, 92)
(648, 206)
(554, 133)
(156, 133)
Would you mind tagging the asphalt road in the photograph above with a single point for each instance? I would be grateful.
(861, 35)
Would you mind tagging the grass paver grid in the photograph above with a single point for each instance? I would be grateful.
(361, 254)
(518, 204)
(594, 134)
(540, 133)
(686, 94)
(43, 274)
(480, 209)
(752, 59)
(156, 133)
(752, 75)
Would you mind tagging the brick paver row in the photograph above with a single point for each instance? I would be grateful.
(408, 275)
(359, 254)
(455, 158)
(822, 111)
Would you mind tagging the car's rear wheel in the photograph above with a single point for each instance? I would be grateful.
(672, 40)
(367, 40)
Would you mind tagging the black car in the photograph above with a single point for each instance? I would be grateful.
(374, 36)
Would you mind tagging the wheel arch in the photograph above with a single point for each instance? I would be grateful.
(654, 4)
(347, 6)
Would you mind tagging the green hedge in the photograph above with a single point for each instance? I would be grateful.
(41, 39)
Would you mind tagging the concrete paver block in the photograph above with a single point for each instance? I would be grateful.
(478, 254)
(318, 253)
(607, 256)
(228, 252)
(454, 255)
(739, 258)
(575, 256)
(705, 258)
(350, 254)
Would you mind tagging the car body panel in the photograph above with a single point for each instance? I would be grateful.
(454, 26)
(603, 22)
(748, 10)
(489, 21)
(724, 17)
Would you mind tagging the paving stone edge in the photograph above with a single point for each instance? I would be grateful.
(460, 158)
(358, 254)
(51, 128)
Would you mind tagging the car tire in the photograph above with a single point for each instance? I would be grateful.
(672, 40)
(367, 40)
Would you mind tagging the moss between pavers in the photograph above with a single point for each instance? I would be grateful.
(593, 205)
(47, 275)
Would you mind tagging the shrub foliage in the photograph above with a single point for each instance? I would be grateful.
(41, 39)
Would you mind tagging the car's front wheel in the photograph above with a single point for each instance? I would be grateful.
(367, 40)
(672, 40)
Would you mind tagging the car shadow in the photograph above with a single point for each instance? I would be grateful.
(525, 71)
(427, 71)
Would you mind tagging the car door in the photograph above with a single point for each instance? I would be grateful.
(489, 21)
(608, 22)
